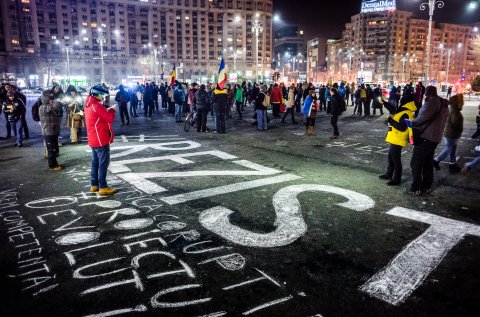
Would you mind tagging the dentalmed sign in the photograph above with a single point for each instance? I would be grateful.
(378, 5)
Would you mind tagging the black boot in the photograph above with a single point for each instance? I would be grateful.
(454, 168)
(436, 164)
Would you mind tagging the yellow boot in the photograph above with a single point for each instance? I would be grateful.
(107, 191)
(94, 189)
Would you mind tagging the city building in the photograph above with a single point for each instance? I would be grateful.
(45, 40)
(391, 46)
(289, 53)
(317, 59)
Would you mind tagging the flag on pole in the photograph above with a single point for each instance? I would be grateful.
(222, 75)
(410, 131)
(173, 76)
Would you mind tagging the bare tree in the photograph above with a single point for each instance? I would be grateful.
(476, 47)
(47, 65)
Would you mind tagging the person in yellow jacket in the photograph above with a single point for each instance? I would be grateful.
(398, 136)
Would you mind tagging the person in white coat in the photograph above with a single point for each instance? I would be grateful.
(289, 103)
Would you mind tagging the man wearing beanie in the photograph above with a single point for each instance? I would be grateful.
(428, 129)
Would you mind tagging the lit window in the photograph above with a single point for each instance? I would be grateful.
(104, 25)
(85, 39)
(31, 50)
(25, 1)
(54, 37)
(93, 25)
(84, 23)
(15, 42)
(26, 10)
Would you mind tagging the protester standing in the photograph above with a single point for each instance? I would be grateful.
(100, 135)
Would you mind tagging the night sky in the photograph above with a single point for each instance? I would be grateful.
(328, 17)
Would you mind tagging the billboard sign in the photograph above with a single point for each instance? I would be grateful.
(378, 5)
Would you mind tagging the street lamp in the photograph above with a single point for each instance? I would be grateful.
(257, 28)
(101, 40)
(236, 20)
(404, 60)
(431, 4)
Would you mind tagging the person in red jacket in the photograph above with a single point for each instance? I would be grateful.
(100, 135)
(276, 99)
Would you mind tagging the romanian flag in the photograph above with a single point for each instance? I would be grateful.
(173, 76)
(222, 75)
(410, 130)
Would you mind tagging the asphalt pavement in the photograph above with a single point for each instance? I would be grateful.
(246, 223)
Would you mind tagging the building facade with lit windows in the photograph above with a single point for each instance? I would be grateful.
(391, 46)
(289, 50)
(140, 39)
(316, 59)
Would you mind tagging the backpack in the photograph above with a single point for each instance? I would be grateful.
(36, 110)
(266, 101)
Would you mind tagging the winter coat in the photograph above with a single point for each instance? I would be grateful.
(75, 115)
(219, 100)
(201, 99)
(336, 108)
(49, 119)
(99, 123)
(291, 99)
(179, 96)
(276, 95)
(122, 97)
(454, 127)
(148, 94)
(397, 127)
(259, 101)
(432, 118)
(14, 109)
(239, 95)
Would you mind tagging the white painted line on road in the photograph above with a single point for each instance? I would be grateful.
(407, 271)
(231, 188)
(289, 221)
(124, 139)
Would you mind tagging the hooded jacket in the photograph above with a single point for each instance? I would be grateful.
(219, 100)
(431, 119)
(454, 127)
(397, 127)
(276, 95)
(99, 123)
(49, 113)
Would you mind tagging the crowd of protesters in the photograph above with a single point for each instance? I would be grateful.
(416, 115)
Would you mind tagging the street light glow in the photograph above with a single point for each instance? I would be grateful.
(472, 5)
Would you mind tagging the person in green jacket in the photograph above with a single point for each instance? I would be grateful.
(239, 100)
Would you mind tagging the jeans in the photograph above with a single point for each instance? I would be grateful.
(262, 119)
(323, 104)
(133, 108)
(450, 148)
(474, 163)
(220, 121)
(366, 107)
(18, 130)
(422, 165)
(334, 121)
(25, 126)
(202, 119)
(124, 113)
(100, 162)
(394, 167)
(178, 112)
(51, 141)
(8, 126)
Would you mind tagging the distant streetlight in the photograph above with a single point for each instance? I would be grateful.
(101, 40)
(276, 18)
(472, 5)
(431, 4)
(257, 28)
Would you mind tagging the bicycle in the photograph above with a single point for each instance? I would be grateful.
(190, 121)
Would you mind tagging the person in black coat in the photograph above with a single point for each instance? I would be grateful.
(202, 105)
(336, 111)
